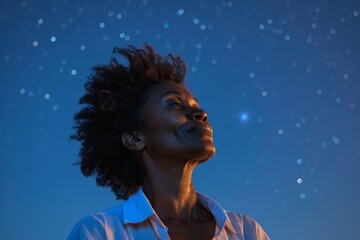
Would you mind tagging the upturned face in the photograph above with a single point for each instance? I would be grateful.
(175, 128)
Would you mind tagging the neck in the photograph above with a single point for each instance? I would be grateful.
(171, 192)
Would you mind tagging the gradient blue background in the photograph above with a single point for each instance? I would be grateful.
(279, 80)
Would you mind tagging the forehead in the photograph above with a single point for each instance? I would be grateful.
(162, 89)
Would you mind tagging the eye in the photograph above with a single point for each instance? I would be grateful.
(175, 104)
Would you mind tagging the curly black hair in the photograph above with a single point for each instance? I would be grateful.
(114, 97)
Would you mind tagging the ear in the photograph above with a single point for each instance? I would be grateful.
(133, 141)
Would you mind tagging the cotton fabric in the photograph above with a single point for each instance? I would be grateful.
(135, 219)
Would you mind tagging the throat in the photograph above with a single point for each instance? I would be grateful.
(198, 214)
(177, 203)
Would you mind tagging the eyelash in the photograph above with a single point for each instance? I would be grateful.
(177, 104)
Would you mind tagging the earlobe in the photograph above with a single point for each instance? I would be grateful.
(133, 141)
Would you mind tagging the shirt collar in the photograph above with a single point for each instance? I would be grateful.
(138, 208)
(220, 215)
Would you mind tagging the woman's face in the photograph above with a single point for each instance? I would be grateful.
(175, 128)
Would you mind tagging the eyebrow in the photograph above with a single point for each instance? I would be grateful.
(177, 93)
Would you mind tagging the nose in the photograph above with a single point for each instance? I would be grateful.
(199, 114)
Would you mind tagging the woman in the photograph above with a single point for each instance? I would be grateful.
(143, 134)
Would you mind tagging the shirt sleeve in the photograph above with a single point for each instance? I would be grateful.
(88, 228)
(253, 230)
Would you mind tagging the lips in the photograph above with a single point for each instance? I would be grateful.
(201, 129)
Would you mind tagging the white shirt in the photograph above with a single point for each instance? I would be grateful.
(136, 219)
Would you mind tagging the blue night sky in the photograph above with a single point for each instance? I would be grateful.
(278, 79)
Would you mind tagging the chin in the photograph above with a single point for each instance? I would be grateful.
(207, 153)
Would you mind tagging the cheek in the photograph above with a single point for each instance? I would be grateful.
(174, 120)
(165, 130)
(165, 122)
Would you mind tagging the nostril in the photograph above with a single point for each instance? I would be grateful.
(200, 115)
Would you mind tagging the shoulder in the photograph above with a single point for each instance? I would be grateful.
(249, 227)
(98, 225)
